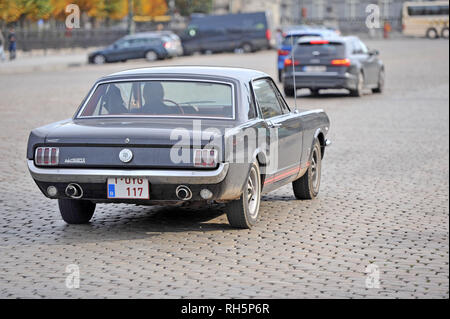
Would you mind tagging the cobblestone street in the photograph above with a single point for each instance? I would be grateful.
(384, 201)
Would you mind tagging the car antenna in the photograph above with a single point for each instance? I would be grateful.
(293, 71)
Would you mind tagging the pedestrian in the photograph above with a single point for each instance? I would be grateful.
(2, 43)
(279, 38)
(12, 44)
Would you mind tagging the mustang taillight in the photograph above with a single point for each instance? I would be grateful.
(205, 158)
(47, 156)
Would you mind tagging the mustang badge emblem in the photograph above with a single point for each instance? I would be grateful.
(126, 155)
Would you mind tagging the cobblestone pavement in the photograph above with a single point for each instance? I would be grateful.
(384, 201)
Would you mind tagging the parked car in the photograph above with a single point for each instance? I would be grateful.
(151, 46)
(136, 139)
(221, 33)
(333, 63)
(293, 36)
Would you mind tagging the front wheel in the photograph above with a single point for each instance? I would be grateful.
(308, 186)
(380, 85)
(75, 212)
(244, 212)
(444, 33)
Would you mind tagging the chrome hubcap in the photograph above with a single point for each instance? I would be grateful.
(151, 56)
(99, 59)
(253, 193)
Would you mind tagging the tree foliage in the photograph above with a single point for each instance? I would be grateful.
(32, 10)
(187, 7)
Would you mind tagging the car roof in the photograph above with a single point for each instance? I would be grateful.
(144, 35)
(309, 31)
(240, 74)
(335, 39)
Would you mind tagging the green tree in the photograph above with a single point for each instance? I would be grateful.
(187, 7)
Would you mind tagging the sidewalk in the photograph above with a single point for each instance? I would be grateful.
(38, 62)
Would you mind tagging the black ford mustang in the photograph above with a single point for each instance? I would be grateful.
(179, 134)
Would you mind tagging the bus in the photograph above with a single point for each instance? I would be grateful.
(429, 19)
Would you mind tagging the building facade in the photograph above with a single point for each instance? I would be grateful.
(348, 15)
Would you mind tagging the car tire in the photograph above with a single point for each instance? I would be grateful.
(432, 33)
(289, 91)
(76, 212)
(315, 92)
(381, 80)
(99, 59)
(307, 187)
(244, 212)
(444, 33)
(151, 56)
(247, 48)
(358, 92)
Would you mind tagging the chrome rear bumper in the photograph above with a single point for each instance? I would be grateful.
(83, 175)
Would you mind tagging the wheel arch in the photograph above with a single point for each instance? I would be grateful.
(321, 137)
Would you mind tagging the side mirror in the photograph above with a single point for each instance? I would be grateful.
(374, 52)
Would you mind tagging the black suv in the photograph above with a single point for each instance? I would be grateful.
(333, 63)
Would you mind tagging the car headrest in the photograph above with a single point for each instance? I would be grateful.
(153, 91)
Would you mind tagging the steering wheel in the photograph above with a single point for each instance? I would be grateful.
(176, 104)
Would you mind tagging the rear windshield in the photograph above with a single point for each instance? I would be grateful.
(329, 49)
(160, 99)
(287, 41)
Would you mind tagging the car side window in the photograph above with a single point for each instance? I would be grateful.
(267, 99)
(284, 106)
(357, 49)
(363, 47)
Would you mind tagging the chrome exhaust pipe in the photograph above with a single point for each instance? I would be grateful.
(183, 193)
(74, 191)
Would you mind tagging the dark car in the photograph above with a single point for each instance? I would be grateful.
(179, 135)
(221, 33)
(151, 46)
(333, 63)
(293, 36)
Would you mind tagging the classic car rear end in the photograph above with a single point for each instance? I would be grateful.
(170, 135)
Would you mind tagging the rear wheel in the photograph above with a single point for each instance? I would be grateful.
(76, 212)
(315, 92)
(444, 33)
(247, 48)
(244, 212)
(99, 59)
(358, 92)
(308, 186)
(151, 56)
(381, 79)
(432, 33)
(289, 91)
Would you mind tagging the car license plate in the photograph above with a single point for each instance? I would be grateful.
(128, 188)
(315, 68)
